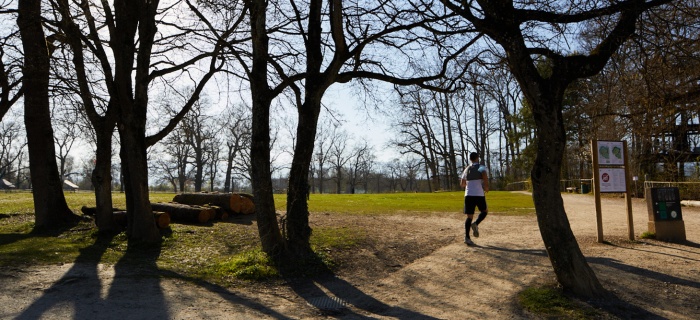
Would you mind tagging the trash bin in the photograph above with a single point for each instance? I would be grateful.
(585, 186)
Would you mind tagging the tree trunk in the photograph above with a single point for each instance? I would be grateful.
(142, 227)
(199, 168)
(570, 266)
(297, 223)
(49, 203)
(453, 178)
(229, 169)
(102, 181)
(131, 97)
(268, 228)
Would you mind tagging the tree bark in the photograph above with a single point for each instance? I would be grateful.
(570, 266)
(297, 222)
(102, 180)
(49, 203)
(104, 125)
(130, 18)
(141, 228)
(229, 169)
(268, 228)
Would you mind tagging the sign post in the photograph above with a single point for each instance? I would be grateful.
(610, 167)
(596, 192)
(628, 195)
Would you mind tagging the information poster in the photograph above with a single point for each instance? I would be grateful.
(611, 153)
(612, 180)
(666, 204)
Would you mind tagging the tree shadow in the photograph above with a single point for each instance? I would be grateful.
(332, 295)
(622, 309)
(610, 302)
(656, 244)
(682, 243)
(533, 252)
(134, 293)
(84, 273)
(242, 219)
(9, 238)
(658, 276)
(226, 294)
(54, 231)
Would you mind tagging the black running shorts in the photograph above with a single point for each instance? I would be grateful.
(471, 202)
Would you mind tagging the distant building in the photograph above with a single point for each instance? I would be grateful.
(67, 185)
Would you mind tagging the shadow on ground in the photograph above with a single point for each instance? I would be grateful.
(135, 291)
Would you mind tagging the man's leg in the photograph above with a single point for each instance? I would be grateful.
(481, 217)
(467, 226)
(481, 204)
(469, 207)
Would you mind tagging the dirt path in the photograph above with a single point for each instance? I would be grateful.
(652, 279)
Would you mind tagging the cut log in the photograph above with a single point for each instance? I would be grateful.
(236, 203)
(219, 212)
(223, 200)
(91, 211)
(185, 213)
(229, 202)
(120, 220)
(120, 217)
(162, 219)
(247, 205)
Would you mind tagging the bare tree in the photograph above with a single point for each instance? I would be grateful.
(12, 144)
(236, 136)
(65, 137)
(338, 157)
(199, 132)
(174, 166)
(416, 135)
(50, 205)
(325, 140)
(359, 164)
(648, 93)
(357, 32)
(130, 71)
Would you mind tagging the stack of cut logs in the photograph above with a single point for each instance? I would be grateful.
(192, 208)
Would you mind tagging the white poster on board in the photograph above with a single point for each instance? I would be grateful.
(611, 153)
(612, 180)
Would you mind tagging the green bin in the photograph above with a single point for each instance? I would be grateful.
(585, 186)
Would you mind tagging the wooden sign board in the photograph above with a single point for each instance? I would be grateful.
(610, 167)
(611, 153)
(612, 180)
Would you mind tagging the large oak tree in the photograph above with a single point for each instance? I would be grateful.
(50, 205)
(521, 30)
(352, 46)
(140, 56)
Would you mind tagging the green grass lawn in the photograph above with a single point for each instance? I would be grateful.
(499, 202)
(209, 251)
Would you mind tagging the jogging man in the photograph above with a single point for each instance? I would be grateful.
(475, 180)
